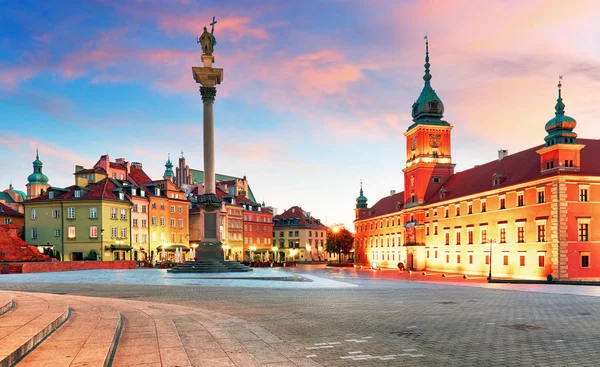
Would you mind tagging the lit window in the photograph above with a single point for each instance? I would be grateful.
(521, 234)
(113, 232)
(93, 231)
(521, 259)
(71, 232)
(123, 232)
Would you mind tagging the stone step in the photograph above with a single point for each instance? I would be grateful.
(28, 324)
(6, 303)
(208, 266)
(149, 337)
(88, 338)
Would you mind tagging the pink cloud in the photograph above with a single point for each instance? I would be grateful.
(232, 28)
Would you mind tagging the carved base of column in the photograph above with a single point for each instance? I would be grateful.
(209, 202)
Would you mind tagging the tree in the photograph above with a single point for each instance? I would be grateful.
(339, 240)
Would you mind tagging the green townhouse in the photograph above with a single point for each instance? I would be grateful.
(91, 222)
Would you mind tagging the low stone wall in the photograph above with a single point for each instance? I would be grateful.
(42, 267)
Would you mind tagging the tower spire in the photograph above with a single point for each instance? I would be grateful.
(427, 76)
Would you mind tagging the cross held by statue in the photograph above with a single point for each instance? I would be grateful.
(213, 25)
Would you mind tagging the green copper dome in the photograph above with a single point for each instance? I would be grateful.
(428, 109)
(560, 128)
(361, 201)
(37, 177)
(169, 171)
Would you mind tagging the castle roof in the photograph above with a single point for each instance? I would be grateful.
(513, 169)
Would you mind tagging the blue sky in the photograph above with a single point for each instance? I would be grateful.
(316, 95)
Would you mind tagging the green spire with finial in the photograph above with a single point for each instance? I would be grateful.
(361, 201)
(37, 177)
(428, 109)
(169, 168)
(560, 128)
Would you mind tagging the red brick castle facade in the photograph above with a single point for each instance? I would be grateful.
(529, 214)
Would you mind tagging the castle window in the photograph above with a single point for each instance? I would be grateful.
(483, 206)
(502, 203)
(541, 198)
(495, 182)
(433, 105)
(458, 211)
(436, 179)
(541, 233)
(519, 199)
(470, 208)
(77, 193)
(583, 193)
(446, 212)
(435, 230)
(585, 259)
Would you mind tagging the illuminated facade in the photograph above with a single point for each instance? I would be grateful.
(299, 237)
(530, 214)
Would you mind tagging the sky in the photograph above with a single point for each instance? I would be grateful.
(316, 95)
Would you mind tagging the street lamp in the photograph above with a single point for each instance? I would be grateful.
(275, 254)
(252, 249)
(491, 242)
(308, 248)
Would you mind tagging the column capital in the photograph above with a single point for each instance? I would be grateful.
(208, 94)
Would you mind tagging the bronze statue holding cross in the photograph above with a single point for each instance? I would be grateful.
(207, 40)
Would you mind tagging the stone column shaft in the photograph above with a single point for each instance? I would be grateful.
(208, 99)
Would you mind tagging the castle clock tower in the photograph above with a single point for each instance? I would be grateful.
(428, 159)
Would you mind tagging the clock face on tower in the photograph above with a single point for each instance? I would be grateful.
(414, 143)
(434, 140)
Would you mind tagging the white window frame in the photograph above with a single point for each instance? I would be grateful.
(93, 212)
(93, 231)
(33, 214)
(71, 212)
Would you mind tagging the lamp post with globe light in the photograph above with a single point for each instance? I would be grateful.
(491, 243)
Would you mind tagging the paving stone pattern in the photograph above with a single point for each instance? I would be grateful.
(385, 322)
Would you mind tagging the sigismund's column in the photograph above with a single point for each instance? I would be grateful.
(209, 203)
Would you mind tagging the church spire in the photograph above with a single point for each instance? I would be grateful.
(169, 169)
(361, 201)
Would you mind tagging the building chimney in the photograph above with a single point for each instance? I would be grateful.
(501, 154)
(137, 165)
(392, 192)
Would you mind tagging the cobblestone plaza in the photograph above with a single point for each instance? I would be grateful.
(309, 315)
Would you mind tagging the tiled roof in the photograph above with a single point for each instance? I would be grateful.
(386, 205)
(96, 191)
(243, 200)
(7, 211)
(139, 176)
(513, 169)
(92, 170)
(117, 166)
(296, 217)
